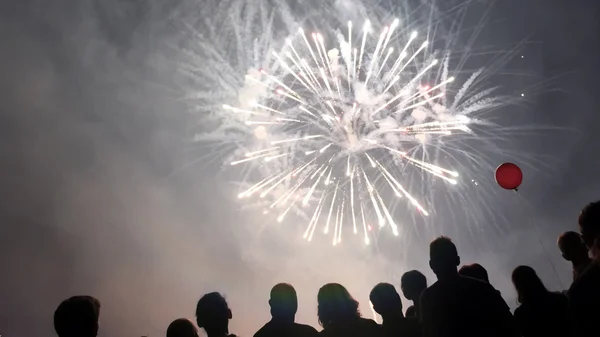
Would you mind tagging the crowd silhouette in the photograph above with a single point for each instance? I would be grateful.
(462, 302)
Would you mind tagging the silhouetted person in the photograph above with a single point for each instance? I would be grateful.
(77, 317)
(413, 283)
(584, 293)
(339, 315)
(213, 315)
(574, 250)
(182, 327)
(461, 306)
(284, 305)
(475, 271)
(387, 303)
(541, 313)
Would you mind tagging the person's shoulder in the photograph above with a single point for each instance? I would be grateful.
(592, 272)
(264, 331)
(430, 292)
(304, 326)
(482, 291)
(369, 321)
(326, 332)
(472, 283)
(558, 300)
(521, 314)
(588, 279)
(432, 289)
(559, 296)
(371, 326)
(411, 327)
(519, 311)
(305, 329)
(426, 294)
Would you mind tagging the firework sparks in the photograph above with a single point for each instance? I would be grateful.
(344, 117)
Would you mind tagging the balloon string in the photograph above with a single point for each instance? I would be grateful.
(537, 234)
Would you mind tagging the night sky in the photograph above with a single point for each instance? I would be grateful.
(96, 197)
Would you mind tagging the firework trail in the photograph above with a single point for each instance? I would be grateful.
(337, 124)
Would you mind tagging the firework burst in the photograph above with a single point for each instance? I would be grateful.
(337, 119)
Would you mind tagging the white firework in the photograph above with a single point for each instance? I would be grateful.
(342, 117)
(339, 125)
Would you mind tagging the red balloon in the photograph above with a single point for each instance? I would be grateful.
(509, 176)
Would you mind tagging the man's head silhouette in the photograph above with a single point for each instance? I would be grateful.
(443, 257)
(385, 300)
(283, 301)
(77, 317)
(182, 327)
(475, 271)
(213, 314)
(572, 247)
(413, 283)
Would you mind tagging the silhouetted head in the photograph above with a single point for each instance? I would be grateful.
(413, 283)
(283, 301)
(528, 284)
(589, 225)
(385, 300)
(443, 257)
(77, 317)
(335, 305)
(182, 327)
(572, 247)
(213, 314)
(475, 271)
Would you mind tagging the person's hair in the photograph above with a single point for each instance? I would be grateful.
(385, 299)
(413, 282)
(283, 300)
(77, 317)
(442, 248)
(212, 311)
(335, 304)
(475, 271)
(571, 244)
(589, 223)
(443, 256)
(568, 239)
(182, 327)
(527, 283)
